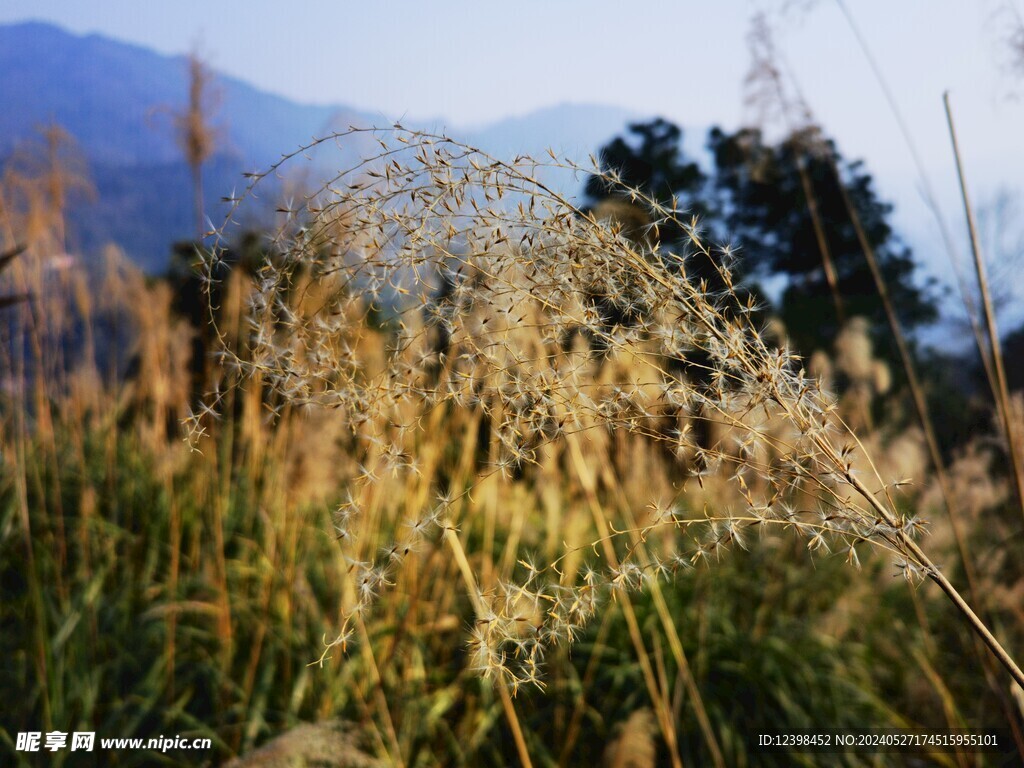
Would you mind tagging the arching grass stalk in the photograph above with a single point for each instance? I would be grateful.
(502, 299)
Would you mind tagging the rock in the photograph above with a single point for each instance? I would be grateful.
(330, 744)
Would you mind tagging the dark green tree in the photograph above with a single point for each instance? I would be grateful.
(783, 206)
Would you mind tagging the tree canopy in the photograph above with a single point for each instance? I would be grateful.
(792, 210)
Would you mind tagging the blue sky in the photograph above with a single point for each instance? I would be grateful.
(473, 62)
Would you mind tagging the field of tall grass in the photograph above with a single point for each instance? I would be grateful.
(487, 478)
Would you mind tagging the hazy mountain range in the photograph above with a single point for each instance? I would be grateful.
(117, 101)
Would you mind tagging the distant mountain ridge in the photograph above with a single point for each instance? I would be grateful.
(116, 99)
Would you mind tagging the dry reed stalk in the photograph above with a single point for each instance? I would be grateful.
(765, 82)
(195, 134)
(572, 731)
(658, 695)
(685, 673)
(667, 622)
(1000, 391)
